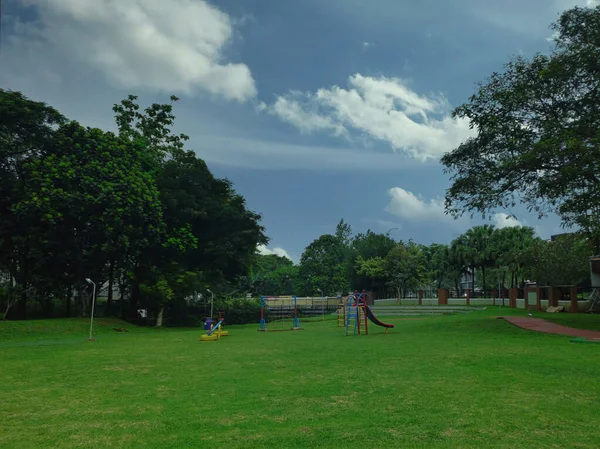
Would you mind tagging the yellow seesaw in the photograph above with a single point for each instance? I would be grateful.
(215, 333)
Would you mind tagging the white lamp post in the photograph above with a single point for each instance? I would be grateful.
(90, 282)
(212, 296)
(322, 304)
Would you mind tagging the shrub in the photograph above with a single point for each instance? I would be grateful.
(238, 311)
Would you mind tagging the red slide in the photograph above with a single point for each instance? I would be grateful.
(375, 320)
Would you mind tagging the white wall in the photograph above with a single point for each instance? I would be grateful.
(583, 306)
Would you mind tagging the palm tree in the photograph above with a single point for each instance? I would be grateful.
(508, 244)
(460, 260)
(479, 242)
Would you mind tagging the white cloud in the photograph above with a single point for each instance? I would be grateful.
(384, 109)
(306, 120)
(264, 250)
(411, 207)
(414, 208)
(528, 18)
(273, 155)
(171, 46)
(503, 220)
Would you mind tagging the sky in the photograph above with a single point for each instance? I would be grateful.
(316, 110)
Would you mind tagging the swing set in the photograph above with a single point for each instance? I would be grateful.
(283, 310)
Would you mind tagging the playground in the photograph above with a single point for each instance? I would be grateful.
(464, 381)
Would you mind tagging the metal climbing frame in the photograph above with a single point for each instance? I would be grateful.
(356, 313)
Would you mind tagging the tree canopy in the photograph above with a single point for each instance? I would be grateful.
(134, 209)
(537, 127)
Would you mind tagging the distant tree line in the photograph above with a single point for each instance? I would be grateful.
(486, 256)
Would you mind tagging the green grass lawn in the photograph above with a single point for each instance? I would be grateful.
(452, 381)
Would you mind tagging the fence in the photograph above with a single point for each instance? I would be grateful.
(574, 299)
(307, 306)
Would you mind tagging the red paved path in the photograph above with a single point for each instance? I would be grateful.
(539, 325)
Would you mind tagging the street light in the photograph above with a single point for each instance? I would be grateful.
(90, 282)
(212, 296)
(322, 305)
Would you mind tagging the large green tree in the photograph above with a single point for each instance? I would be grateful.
(508, 243)
(322, 265)
(406, 268)
(563, 261)
(438, 267)
(537, 132)
(270, 274)
(26, 128)
(210, 234)
(136, 209)
(481, 249)
(94, 203)
(367, 250)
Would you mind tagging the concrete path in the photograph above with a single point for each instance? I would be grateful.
(539, 325)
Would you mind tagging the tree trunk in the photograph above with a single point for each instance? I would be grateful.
(11, 290)
(122, 290)
(9, 299)
(159, 317)
(473, 280)
(456, 284)
(483, 280)
(111, 280)
(134, 299)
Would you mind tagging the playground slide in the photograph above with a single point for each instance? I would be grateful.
(375, 320)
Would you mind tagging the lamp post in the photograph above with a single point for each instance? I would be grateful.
(322, 305)
(212, 296)
(90, 282)
(390, 230)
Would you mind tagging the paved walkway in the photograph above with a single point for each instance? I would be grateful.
(539, 325)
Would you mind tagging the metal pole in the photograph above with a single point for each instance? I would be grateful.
(89, 281)
(322, 306)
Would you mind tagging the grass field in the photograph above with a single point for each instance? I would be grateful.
(451, 381)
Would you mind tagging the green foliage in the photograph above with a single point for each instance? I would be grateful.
(209, 232)
(538, 133)
(406, 267)
(238, 311)
(564, 261)
(134, 209)
(365, 247)
(373, 267)
(343, 233)
(438, 269)
(323, 266)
